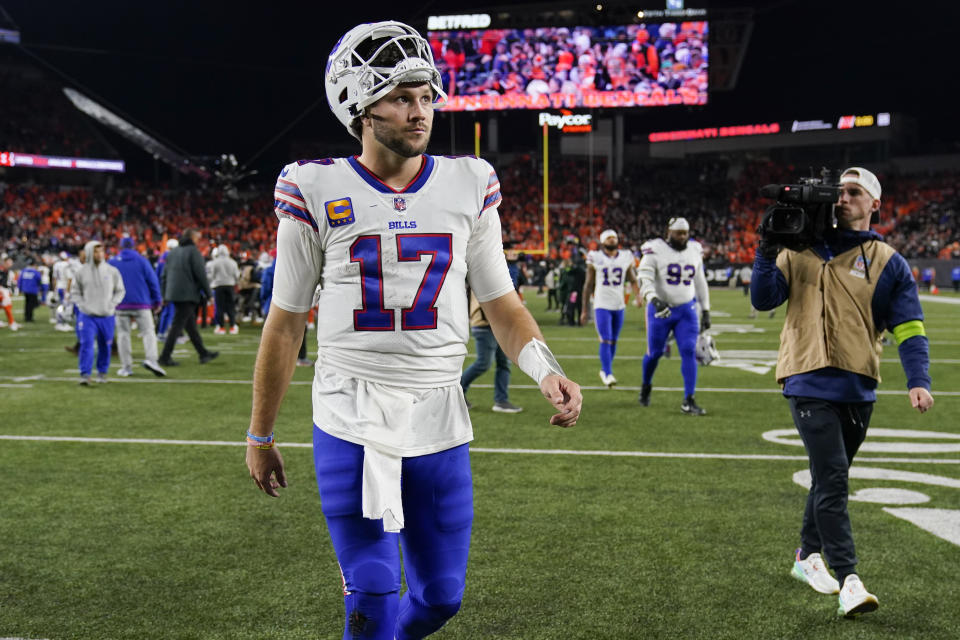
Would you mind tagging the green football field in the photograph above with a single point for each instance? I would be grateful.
(127, 510)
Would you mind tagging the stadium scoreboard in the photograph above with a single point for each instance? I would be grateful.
(577, 59)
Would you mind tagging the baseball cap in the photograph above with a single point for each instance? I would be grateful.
(126, 242)
(607, 233)
(864, 178)
(678, 224)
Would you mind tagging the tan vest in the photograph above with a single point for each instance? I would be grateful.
(477, 317)
(829, 313)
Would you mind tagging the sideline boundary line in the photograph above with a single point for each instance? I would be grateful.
(554, 452)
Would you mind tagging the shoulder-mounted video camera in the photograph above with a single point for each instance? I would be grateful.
(803, 212)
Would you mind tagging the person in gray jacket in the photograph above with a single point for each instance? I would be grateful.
(224, 274)
(184, 279)
(97, 289)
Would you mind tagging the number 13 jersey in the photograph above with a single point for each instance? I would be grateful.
(611, 274)
(391, 265)
(676, 277)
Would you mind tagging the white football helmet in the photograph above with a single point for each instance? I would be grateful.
(370, 60)
(707, 349)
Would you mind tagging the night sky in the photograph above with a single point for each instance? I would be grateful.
(215, 77)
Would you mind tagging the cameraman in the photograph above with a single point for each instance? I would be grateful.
(842, 293)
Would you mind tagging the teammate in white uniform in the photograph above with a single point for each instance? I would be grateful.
(608, 271)
(673, 283)
(63, 271)
(390, 236)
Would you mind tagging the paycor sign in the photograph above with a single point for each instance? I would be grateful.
(567, 121)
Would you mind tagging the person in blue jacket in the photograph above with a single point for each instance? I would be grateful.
(141, 298)
(843, 293)
(266, 284)
(30, 286)
(166, 313)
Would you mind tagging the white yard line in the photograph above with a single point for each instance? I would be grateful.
(548, 452)
(143, 379)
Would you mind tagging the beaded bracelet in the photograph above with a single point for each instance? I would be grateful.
(260, 442)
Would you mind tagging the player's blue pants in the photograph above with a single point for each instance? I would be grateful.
(166, 319)
(685, 324)
(437, 493)
(608, 323)
(92, 329)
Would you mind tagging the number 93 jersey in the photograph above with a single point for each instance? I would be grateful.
(610, 276)
(676, 277)
(391, 265)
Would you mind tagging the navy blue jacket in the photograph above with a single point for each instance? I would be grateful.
(895, 301)
(139, 279)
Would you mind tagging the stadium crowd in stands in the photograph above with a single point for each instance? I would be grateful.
(919, 216)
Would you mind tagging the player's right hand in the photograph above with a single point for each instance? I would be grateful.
(662, 308)
(266, 469)
(565, 396)
(920, 399)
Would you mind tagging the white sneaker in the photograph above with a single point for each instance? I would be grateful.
(14, 327)
(152, 366)
(219, 331)
(814, 573)
(234, 330)
(607, 379)
(855, 599)
(125, 372)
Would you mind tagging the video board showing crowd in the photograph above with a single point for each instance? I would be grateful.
(637, 65)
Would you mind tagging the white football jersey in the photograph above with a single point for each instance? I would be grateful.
(392, 267)
(61, 273)
(676, 277)
(611, 276)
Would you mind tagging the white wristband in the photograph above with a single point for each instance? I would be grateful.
(537, 361)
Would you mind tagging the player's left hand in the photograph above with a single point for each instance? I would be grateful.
(704, 320)
(583, 317)
(920, 399)
(266, 469)
(565, 396)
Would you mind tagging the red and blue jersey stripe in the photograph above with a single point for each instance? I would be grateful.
(288, 199)
(492, 197)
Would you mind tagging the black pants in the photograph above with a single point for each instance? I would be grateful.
(832, 432)
(302, 355)
(553, 302)
(226, 304)
(30, 302)
(184, 319)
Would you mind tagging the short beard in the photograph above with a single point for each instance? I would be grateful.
(386, 136)
(678, 246)
(610, 247)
